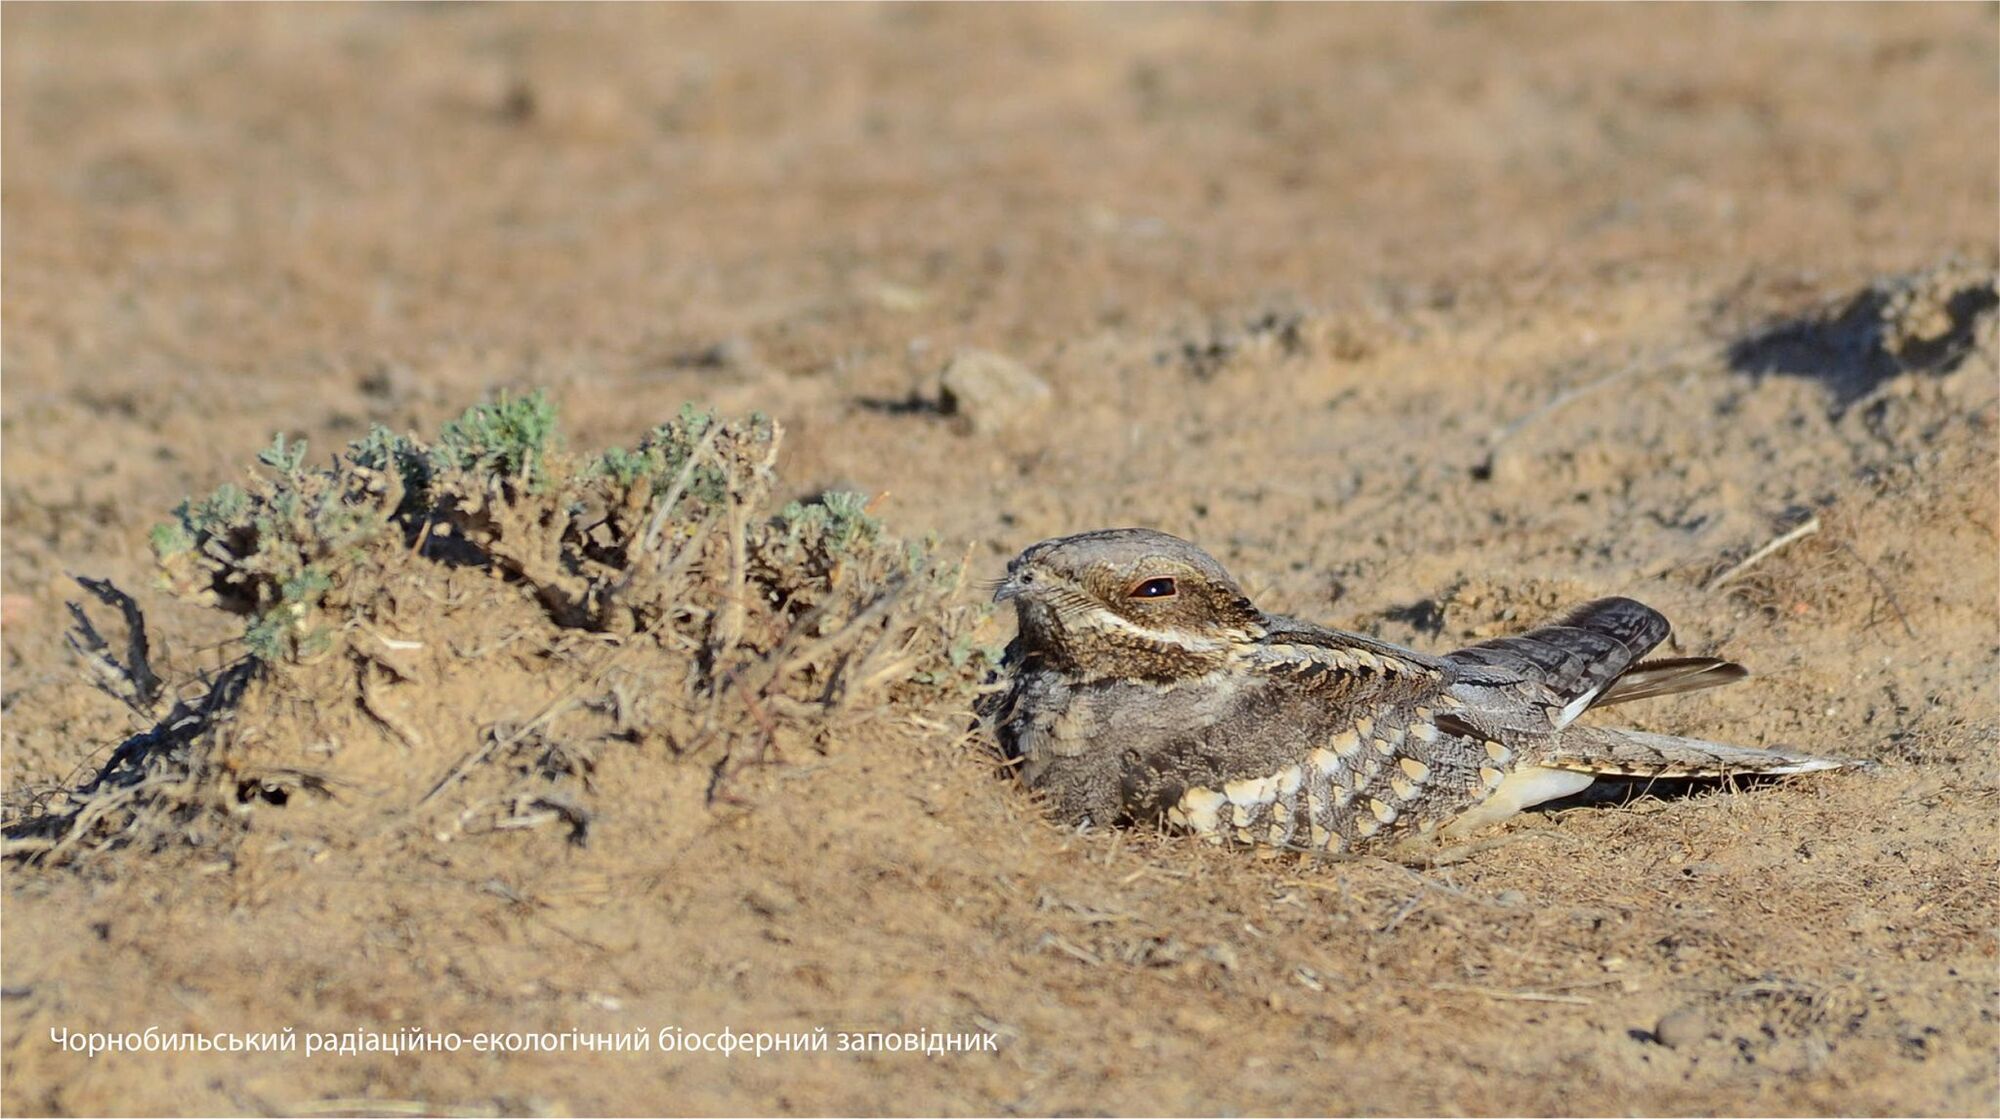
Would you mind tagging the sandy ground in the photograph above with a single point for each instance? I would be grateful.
(1426, 320)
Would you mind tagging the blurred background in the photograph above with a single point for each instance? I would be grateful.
(224, 221)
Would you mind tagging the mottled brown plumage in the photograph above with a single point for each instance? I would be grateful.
(1146, 686)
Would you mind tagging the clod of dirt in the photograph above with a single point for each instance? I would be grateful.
(484, 633)
(1928, 322)
(990, 392)
(1683, 1028)
(768, 899)
(1275, 333)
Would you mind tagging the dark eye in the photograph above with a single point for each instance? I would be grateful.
(1153, 588)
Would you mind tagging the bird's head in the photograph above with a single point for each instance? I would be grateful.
(1127, 603)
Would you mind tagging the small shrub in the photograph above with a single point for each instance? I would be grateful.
(271, 550)
(665, 607)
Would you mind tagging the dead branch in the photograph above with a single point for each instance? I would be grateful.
(133, 681)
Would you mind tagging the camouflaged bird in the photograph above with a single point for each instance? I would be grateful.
(1147, 687)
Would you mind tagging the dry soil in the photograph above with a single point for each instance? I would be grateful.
(1428, 321)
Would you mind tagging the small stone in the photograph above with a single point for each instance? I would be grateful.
(990, 392)
(1512, 899)
(733, 352)
(898, 297)
(391, 382)
(768, 899)
(1682, 1028)
(1197, 1020)
(15, 608)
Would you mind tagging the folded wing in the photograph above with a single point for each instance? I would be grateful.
(1549, 676)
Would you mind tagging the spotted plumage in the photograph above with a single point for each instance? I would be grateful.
(1147, 687)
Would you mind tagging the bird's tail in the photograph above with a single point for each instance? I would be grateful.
(1670, 676)
(1614, 752)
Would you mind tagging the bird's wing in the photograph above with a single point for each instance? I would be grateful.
(1284, 631)
(1348, 745)
(1537, 682)
(1532, 686)
(1349, 672)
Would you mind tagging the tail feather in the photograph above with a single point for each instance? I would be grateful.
(1611, 752)
(1670, 676)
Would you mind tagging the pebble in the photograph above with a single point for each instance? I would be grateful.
(990, 392)
(1197, 1020)
(1682, 1028)
(768, 899)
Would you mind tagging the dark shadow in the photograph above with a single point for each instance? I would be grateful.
(1616, 792)
(1426, 616)
(911, 405)
(1855, 347)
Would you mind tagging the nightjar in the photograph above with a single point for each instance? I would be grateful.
(1146, 687)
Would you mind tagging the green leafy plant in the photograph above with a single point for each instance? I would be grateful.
(511, 437)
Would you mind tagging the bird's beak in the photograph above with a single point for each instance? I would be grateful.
(1009, 587)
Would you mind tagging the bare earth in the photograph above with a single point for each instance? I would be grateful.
(1428, 321)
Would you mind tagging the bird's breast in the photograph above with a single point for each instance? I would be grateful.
(1095, 745)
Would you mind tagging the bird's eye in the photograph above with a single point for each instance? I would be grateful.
(1153, 588)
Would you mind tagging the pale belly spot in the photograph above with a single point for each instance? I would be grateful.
(1523, 788)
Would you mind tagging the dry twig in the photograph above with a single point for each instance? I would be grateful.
(1512, 996)
(132, 682)
(1769, 549)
